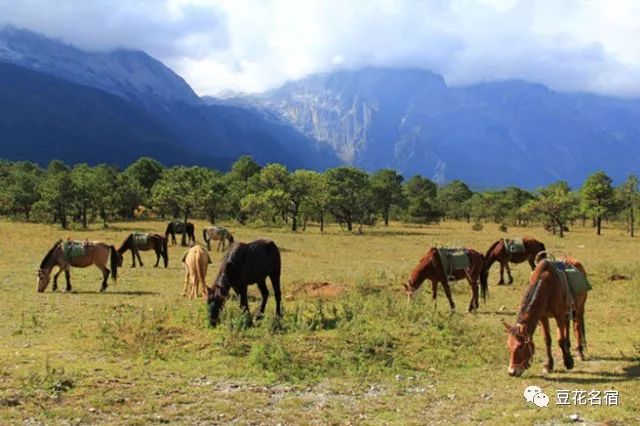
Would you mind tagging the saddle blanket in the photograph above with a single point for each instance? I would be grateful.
(453, 259)
(73, 249)
(178, 226)
(514, 245)
(140, 238)
(578, 283)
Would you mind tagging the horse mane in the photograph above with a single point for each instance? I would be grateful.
(486, 256)
(49, 254)
(530, 295)
(128, 239)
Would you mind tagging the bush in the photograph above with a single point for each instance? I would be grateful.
(503, 227)
(477, 226)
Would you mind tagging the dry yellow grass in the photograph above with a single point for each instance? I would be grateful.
(349, 351)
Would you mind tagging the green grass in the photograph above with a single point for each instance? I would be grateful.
(350, 347)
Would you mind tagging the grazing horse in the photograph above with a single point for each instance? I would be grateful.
(196, 262)
(94, 253)
(177, 227)
(548, 296)
(498, 253)
(431, 267)
(218, 233)
(152, 241)
(243, 265)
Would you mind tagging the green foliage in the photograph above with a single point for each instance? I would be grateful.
(556, 204)
(420, 194)
(272, 195)
(597, 197)
(452, 197)
(386, 191)
(349, 195)
(146, 171)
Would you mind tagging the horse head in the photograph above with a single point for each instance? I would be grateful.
(44, 276)
(521, 349)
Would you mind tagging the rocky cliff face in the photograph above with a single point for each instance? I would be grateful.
(492, 134)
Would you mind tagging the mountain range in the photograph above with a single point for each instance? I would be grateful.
(57, 101)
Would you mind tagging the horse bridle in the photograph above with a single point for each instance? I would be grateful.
(527, 361)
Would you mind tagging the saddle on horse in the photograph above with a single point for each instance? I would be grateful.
(140, 238)
(73, 249)
(178, 226)
(514, 245)
(453, 259)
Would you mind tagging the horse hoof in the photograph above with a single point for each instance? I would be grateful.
(569, 364)
(547, 370)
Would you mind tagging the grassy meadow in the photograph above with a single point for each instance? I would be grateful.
(349, 350)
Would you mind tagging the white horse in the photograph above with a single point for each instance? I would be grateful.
(217, 233)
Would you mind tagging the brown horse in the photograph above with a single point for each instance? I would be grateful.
(548, 296)
(153, 241)
(499, 253)
(95, 253)
(430, 267)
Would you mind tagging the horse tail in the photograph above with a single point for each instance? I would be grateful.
(114, 264)
(484, 281)
(204, 235)
(165, 251)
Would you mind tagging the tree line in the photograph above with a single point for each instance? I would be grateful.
(251, 193)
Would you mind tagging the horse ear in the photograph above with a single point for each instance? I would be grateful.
(506, 326)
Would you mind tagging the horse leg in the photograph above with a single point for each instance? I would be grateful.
(563, 341)
(157, 250)
(133, 257)
(447, 291)
(501, 282)
(55, 280)
(264, 291)
(548, 365)
(244, 304)
(105, 276)
(509, 273)
(473, 305)
(434, 293)
(67, 278)
(275, 283)
(139, 258)
(186, 282)
(532, 263)
(578, 327)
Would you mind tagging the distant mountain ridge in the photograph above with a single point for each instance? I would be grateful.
(184, 128)
(489, 135)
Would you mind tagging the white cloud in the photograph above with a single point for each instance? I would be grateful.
(252, 45)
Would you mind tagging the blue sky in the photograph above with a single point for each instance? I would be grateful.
(253, 45)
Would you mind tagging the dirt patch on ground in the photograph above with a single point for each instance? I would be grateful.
(317, 289)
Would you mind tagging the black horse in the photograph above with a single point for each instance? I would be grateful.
(177, 227)
(140, 241)
(243, 265)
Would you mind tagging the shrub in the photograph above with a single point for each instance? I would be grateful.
(477, 226)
